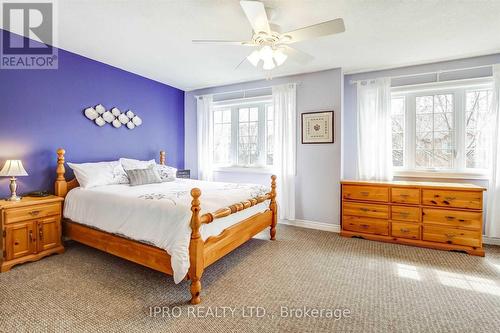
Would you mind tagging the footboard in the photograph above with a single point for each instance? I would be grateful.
(202, 254)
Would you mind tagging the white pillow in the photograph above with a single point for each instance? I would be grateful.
(100, 173)
(131, 164)
(167, 173)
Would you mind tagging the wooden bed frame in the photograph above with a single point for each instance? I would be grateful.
(201, 253)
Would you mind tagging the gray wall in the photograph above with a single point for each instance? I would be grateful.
(318, 165)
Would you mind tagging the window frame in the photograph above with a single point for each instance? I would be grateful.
(235, 105)
(458, 89)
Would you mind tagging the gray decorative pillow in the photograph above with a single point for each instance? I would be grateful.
(167, 174)
(143, 176)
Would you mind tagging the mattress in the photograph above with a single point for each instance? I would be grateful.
(159, 214)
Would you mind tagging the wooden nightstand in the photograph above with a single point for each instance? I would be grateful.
(31, 230)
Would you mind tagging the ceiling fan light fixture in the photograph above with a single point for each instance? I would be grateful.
(268, 64)
(279, 57)
(254, 58)
(266, 53)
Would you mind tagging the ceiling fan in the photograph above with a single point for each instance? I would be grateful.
(273, 46)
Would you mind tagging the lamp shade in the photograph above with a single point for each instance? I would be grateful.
(13, 168)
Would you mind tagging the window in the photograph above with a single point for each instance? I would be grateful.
(222, 141)
(441, 128)
(243, 134)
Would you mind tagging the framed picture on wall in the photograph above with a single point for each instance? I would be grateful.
(317, 127)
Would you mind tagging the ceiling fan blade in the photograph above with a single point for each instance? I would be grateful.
(322, 29)
(222, 42)
(296, 55)
(256, 14)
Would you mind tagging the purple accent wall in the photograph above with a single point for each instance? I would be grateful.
(42, 110)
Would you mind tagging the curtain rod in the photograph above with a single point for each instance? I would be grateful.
(438, 72)
(245, 90)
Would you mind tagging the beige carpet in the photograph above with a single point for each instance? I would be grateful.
(386, 288)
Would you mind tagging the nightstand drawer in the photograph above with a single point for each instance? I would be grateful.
(32, 212)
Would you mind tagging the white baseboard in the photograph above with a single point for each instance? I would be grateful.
(336, 228)
(312, 225)
(491, 240)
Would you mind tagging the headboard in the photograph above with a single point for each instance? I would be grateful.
(63, 186)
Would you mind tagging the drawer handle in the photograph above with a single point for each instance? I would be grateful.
(404, 230)
(34, 212)
(404, 214)
(32, 240)
(449, 218)
(434, 202)
(365, 194)
(450, 236)
(363, 209)
(16, 243)
(364, 226)
(446, 202)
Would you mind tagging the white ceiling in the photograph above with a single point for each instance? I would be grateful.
(153, 38)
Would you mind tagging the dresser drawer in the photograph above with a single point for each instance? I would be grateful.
(365, 225)
(452, 236)
(454, 218)
(458, 199)
(367, 210)
(405, 195)
(32, 212)
(405, 230)
(403, 213)
(369, 193)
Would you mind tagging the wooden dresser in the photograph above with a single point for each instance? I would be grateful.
(31, 230)
(445, 216)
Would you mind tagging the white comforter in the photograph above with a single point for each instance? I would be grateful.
(159, 214)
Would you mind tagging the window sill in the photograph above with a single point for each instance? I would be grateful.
(236, 169)
(440, 174)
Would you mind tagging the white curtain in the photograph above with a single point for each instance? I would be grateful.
(285, 142)
(493, 206)
(374, 129)
(205, 137)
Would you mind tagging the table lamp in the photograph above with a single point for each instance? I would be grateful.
(12, 169)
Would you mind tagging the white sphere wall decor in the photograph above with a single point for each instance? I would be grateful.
(91, 113)
(99, 121)
(116, 112)
(108, 116)
(100, 108)
(100, 116)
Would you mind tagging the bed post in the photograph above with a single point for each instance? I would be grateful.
(273, 207)
(61, 186)
(195, 249)
(163, 157)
